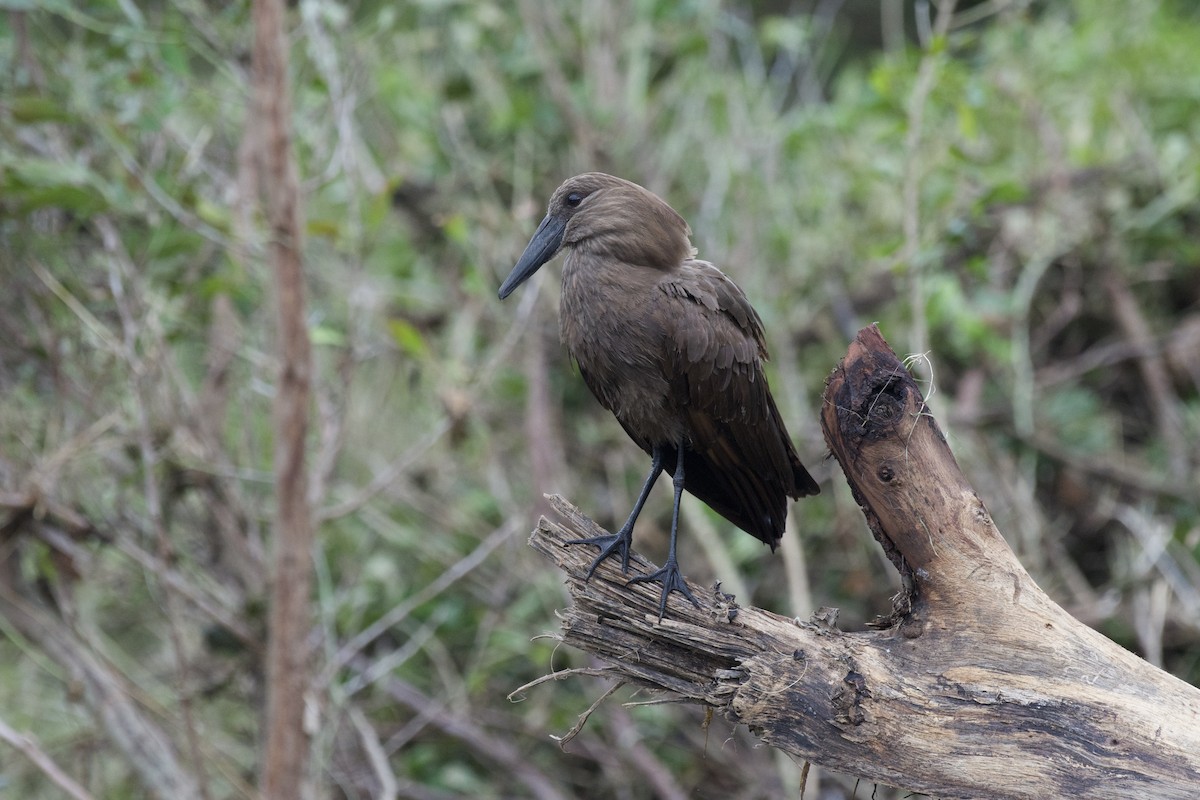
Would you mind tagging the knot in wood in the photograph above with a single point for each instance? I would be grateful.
(912, 628)
(848, 699)
(885, 473)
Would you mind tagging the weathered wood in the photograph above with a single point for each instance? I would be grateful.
(981, 686)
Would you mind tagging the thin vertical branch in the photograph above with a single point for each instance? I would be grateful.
(891, 24)
(542, 423)
(285, 763)
(911, 254)
(376, 756)
(1160, 396)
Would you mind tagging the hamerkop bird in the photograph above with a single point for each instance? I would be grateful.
(673, 348)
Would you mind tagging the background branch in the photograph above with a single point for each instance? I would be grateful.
(285, 760)
(30, 749)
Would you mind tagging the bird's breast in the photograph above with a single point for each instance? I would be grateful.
(612, 332)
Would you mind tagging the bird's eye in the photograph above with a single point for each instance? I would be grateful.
(574, 199)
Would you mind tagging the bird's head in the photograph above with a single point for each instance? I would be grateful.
(611, 217)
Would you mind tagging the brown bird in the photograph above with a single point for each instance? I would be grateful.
(673, 348)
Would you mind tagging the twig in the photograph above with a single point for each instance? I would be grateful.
(30, 749)
(561, 675)
(347, 652)
(121, 266)
(89, 319)
(482, 381)
(146, 746)
(643, 759)
(545, 25)
(348, 155)
(386, 664)
(185, 217)
(175, 582)
(496, 750)
(543, 425)
(388, 787)
(385, 477)
(583, 718)
(1154, 372)
(1138, 476)
(926, 77)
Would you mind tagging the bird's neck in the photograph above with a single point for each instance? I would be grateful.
(604, 280)
(656, 253)
(601, 294)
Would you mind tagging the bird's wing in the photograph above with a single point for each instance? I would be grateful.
(745, 464)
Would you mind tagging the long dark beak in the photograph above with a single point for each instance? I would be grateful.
(541, 248)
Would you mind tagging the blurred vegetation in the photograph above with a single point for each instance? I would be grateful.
(1016, 199)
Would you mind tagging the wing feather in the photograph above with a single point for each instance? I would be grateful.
(740, 460)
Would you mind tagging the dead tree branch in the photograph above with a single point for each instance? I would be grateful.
(980, 685)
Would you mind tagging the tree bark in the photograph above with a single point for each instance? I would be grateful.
(286, 756)
(977, 685)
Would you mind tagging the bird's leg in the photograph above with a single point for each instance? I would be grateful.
(622, 540)
(668, 575)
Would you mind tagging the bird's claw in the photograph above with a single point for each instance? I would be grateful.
(609, 543)
(672, 581)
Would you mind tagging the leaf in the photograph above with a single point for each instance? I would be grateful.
(44, 183)
(456, 228)
(324, 227)
(325, 336)
(175, 57)
(408, 338)
(30, 109)
(968, 122)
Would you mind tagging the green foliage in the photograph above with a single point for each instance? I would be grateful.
(1055, 169)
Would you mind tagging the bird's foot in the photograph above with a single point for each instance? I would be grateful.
(672, 581)
(609, 543)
